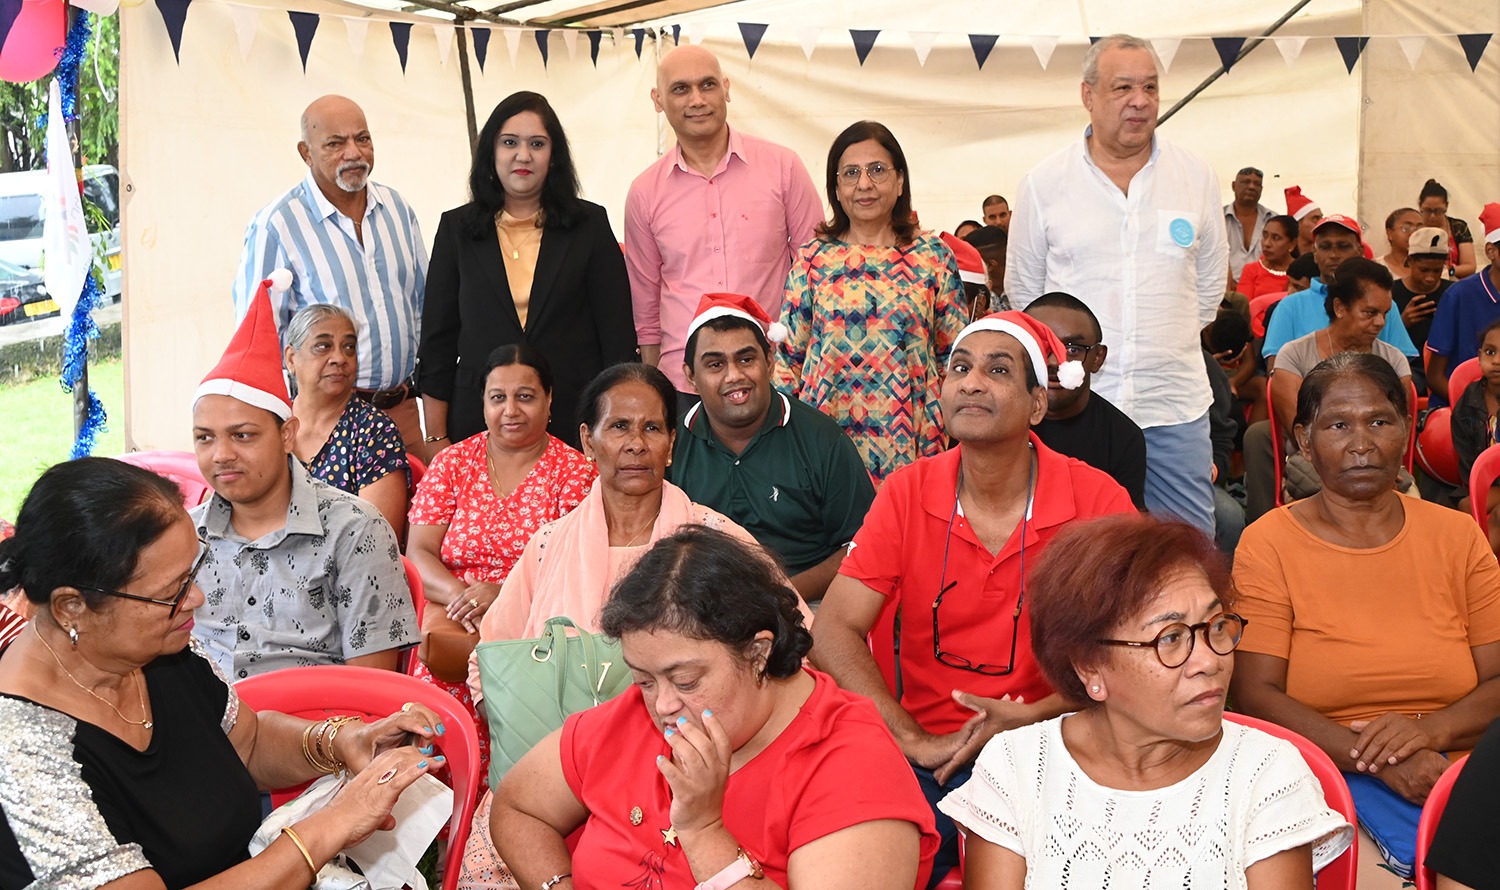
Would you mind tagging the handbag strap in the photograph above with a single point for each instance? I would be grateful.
(554, 642)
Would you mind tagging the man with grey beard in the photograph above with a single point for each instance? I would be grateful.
(352, 242)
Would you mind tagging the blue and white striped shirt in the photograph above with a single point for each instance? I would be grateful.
(381, 283)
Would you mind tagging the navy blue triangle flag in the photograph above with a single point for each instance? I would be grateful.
(1093, 40)
(541, 43)
(594, 38)
(982, 44)
(640, 40)
(401, 36)
(305, 24)
(174, 14)
(1350, 48)
(752, 33)
(864, 41)
(481, 45)
(9, 9)
(1474, 45)
(676, 34)
(1228, 49)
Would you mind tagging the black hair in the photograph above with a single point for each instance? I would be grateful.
(721, 324)
(968, 222)
(995, 199)
(561, 206)
(1432, 189)
(1059, 300)
(591, 402)
(1229, 332)
(1304, 266)
(707, 585)
(1347, 285)
(1390, 221)
(521, 354)
(1252, 170)
(1348, 364)
(987, 236)
(85, 522)
(1288, 225)
(903, 221)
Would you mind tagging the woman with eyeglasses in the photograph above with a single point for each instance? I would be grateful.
(129, 763)
(872, 307)
(1432, 203)
(1146, 784)
(1374, 618)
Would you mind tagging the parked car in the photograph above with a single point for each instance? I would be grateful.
(21, 220)
(23, 297)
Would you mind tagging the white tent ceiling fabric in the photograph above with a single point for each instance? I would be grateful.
(208, 140)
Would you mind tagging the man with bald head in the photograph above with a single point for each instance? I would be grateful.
(351, 242)
(721, 212)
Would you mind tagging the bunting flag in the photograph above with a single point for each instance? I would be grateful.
(1094, 40)
(864, 41)
(541, 35)
(640, 40)
(595, 38)
(570, 42)
(246, 20)
(1166, 50)
(983, 45)
(1290, 48)
(481, 38)
(1228, 49)
(401, 36)
(1350, 48)
(513, 43)
(357, 30)
(444, 35)
(921, 43)
(1411, 47)
(752, 34)
(690, 31)
(305, 25)
(808, 37)
(1043, 47)
(65, 236)
(174, 15)
(1474, 45)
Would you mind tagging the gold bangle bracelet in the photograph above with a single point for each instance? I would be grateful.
(305, 855)
(312, 748)
(334, 725)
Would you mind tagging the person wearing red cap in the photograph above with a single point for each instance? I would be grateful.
(296, 572)
(1307, 213)
(946, 545)
(1467, 308)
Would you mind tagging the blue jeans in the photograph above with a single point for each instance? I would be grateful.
(1179, 467)
(947, 855)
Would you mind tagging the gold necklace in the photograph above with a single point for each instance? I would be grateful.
(645, 528)
(140, 687)
(514, 248)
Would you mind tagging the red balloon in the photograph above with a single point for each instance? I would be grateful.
(35, 42)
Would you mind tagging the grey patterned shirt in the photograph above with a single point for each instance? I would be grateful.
(326, 588)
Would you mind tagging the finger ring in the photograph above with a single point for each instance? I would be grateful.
(474, 603)
(386, 776)
(408, 706)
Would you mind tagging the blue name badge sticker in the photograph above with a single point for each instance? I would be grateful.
(1182, 232)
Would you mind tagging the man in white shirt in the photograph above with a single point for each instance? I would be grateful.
(1132, 225)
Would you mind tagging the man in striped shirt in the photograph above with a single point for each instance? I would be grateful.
(351, 242)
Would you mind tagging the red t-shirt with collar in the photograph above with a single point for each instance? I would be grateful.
(899, 554)
(834, 766)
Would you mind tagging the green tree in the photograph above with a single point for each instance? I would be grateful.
(22, 106)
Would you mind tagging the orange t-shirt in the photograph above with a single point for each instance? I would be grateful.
(1389, 628)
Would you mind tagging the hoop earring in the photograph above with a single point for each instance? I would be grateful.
(73, 635)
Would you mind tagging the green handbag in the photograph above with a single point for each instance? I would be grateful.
(531, 686)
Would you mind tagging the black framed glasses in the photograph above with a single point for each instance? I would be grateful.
(1078, 351)
(175, 603)
(878, 171)
(1174, 645)
(964, 664)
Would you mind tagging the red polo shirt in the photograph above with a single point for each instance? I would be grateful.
(899, 553)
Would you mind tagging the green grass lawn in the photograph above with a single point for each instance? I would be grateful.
(36, 429)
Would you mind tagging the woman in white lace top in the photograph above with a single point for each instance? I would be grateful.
(1146, 785)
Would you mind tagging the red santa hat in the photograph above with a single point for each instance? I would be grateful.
(1038, 340)
(970, 263)
(713, 306)
(251, 367)
(1490, 217)
(1298, 205)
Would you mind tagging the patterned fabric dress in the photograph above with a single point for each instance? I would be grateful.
(870, 329)
(487, 533)
(363, 448)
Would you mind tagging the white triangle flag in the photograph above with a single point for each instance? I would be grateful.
(1166, 50)
(513, 43)
(246, 20)
(570, 40)
(699, 32)
(921, 42)
(1412, 47)
(1043, 47)
(617, 38)
(444, 35)
(65, 236)
(808, 37)
(1290, 48)
(356, 29)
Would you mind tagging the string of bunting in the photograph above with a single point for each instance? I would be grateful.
(752, 35)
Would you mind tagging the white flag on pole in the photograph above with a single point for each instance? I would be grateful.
(67, 255)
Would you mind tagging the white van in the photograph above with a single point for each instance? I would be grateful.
(21, 220)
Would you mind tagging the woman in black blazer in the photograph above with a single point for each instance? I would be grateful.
(526, 261)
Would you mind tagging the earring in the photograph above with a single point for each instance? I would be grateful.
(73, 635)
(1094, 688)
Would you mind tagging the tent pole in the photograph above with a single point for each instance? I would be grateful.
(463, 70)
(1244, 51)
(75, 141)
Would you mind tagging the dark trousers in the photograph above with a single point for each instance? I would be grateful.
(947, 855)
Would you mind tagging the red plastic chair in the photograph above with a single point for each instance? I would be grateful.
(419, 603)
(181, 467)
(1435, 452)
(1258, 307)
(1339, 874)
(1432, 814)
(1278, 454)
(1482, 475)
(1466, 373)
(318, 692)
(418, 470)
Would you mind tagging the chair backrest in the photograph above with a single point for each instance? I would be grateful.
(418, 470)
(181, 467)
(1258, 307)
(1435, 447)
(318, 692)
(1410, 461)
(1432, 814)
(1278, 455)
(409, 660)
(1482, 475)
(1339, 874)
(1466, 373)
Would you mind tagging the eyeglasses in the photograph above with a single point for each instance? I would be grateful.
(1079, 351)
(877, 171)
(175, 603)
(1433, 211)
(1174, 645)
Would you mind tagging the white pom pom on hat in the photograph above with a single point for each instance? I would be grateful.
(280, 280)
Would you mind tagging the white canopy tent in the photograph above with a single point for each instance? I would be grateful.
(210, 138)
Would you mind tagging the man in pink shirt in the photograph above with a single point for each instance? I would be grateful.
(720, 212)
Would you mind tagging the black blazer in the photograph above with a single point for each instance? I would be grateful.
(579, 316)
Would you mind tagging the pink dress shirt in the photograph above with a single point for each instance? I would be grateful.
(734, 232)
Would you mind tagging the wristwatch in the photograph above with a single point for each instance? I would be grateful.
(744, 866)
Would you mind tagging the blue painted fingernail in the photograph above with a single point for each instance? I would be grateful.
(660, 758)
(707, 712)
(682, 721)
(670, 733)
(440, 729)
(425, 749)
(441, 759)
(427, 728)
(422, 765)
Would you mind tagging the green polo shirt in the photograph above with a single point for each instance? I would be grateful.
(799, 487)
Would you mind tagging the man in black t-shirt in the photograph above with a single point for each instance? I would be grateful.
(1078, 423)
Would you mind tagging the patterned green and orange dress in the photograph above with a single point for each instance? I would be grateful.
(870, 330)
